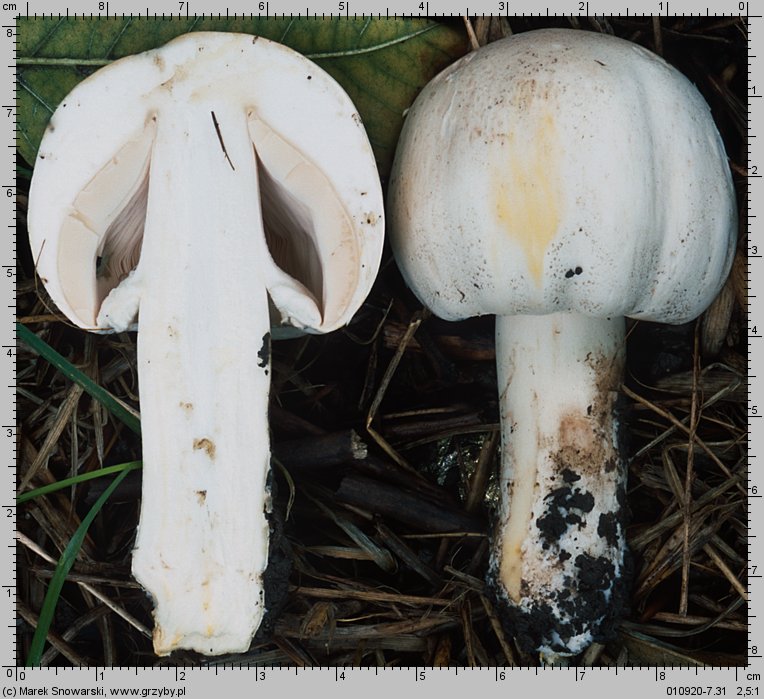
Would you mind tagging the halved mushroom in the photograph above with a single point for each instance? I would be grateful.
(183, 187)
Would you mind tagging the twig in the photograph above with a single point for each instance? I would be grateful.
(409, 508)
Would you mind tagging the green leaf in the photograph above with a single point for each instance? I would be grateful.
(63, 567)
(112, 404)
(74, 480)
(381, 63)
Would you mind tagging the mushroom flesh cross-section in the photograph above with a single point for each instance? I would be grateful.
(181, 189)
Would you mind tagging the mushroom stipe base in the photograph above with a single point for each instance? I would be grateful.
(530, 627)
(279, 568)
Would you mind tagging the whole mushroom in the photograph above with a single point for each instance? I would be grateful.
(561, 180)
(185, 187)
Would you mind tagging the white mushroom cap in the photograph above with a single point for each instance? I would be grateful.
(562, 170)
(322, 208)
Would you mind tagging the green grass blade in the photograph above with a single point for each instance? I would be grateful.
(74, 480)
(114, 406)
(63, 567)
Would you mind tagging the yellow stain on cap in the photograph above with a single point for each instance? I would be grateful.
(527, 193)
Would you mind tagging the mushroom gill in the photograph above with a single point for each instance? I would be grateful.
(290, 234)
(308, 230)
(105, 225)
(122, 241)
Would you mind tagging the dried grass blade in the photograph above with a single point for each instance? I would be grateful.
(416, 321)
(383, 558)
(725, 570)
(499, 632)
(116, 407)
(56, 641)
(686, 500)
(65, 411)
(62, 568)
(678, 424)
(372, 596)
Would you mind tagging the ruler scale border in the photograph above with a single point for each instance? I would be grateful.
(199, 681)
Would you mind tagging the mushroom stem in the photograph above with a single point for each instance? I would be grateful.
(559, 546)
(203, 357)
